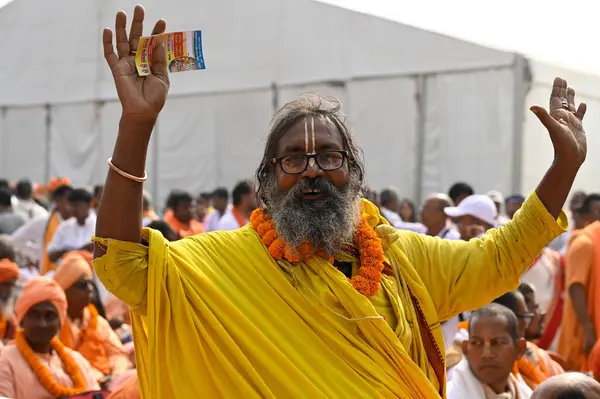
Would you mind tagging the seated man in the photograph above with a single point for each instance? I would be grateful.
(493, 347)
(84, 329)
(535, 366)
(39, 366)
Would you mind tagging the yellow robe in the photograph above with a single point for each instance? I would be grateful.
(216, 316)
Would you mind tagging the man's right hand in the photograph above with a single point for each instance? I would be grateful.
(589, 338)
(142, 97)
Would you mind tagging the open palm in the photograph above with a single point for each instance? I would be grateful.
(140, 96)
(564, 123)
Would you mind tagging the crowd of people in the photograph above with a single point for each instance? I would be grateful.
(306, 284)
(543, 329)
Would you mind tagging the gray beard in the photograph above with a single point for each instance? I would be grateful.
(326, 224)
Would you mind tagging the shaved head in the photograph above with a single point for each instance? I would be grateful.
(441, 198)
(568, 385)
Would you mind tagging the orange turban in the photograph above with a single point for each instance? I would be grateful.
(8, 270)
(41, 289)
(73, 267)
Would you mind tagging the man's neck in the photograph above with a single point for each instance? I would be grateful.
(435, 230)
(243, 210)
(75, 314)
(45, 348)
(500, 386)
(81, 222)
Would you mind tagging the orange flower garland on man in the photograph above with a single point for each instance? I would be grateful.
(84, 330)
(319, 296)
(9, 273)
(38, 365)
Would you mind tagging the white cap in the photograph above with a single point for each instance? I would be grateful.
(496, 196)
(478, 206)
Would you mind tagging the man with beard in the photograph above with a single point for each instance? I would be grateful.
(318, 296)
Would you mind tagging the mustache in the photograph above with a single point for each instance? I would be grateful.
(307, 184)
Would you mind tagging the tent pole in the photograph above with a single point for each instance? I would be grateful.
(421, 106)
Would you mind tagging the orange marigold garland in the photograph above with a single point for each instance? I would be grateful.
(369, 247)
(43, 374)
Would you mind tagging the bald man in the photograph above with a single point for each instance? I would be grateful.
(568, 386)
(434, 218)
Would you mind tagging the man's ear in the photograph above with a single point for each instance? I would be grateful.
(521, 346)
(465, 347)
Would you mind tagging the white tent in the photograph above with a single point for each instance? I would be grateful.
(427, 109)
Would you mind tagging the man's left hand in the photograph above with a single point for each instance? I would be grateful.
(564, 124)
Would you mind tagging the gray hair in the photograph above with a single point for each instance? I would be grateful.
(308, 105)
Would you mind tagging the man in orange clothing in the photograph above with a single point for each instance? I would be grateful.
(84, 330)
(181, 215)
(581, 313)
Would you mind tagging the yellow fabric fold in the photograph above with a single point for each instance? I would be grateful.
(215, 315)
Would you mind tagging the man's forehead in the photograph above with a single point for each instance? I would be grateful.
(497, 324)
(324, 130)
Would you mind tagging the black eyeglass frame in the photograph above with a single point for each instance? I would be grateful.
(308, 157)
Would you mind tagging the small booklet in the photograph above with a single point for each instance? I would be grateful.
(184, 52)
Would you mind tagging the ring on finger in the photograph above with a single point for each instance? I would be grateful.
(564, 104)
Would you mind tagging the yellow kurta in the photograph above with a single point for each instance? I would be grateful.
(215, 315)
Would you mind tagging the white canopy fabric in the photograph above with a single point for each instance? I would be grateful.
(428, 109)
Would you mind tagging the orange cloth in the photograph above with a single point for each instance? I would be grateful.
(72, 268)
(128, 390)
(184, 230)
(17, 380)
(58, 182)
(51, 227)
(582, 267)
(41, 289)
(536, 366)
(97, 342)
(8, 270)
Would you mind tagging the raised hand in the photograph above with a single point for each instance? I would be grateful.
(142, 97)
(564, 124)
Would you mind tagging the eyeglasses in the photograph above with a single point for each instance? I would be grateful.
(297, 163)
(528, 317)
(83, 284)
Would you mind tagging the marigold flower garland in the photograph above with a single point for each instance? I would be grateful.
(43, 374)
(369, 247)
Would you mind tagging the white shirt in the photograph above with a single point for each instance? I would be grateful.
(392, 217)
(29, 208)
(464, 385)
(70, 235)
(228, 221)
(29, 238)
(416, 227)
(211, 222)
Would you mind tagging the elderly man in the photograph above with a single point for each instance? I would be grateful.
(38, 365)
(319, 296)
